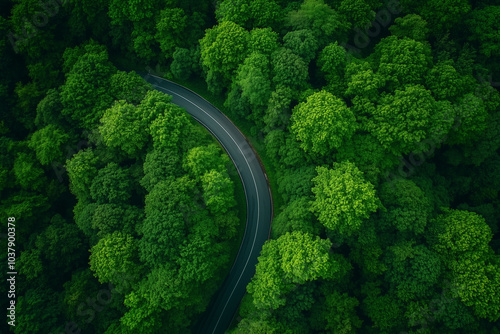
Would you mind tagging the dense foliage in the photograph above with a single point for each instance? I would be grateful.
(378, 120)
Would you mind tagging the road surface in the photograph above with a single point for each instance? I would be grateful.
(218, 317)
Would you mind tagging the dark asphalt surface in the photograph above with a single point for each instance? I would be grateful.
(259, 204)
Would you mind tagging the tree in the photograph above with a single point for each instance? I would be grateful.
(476, 282)
(169, 127)
(277, 114)
(472, 119)
(332, 61)
(61, 245)
(107, 218)
(29, 174)
(322, 123)
(254, 79)
(200, 260)
(111, 185)
(337, 313)
(484, 27)
(289, 69)
(296, 183)
(82, 168)
(185, 62)
(413, 271)
(369, 155)
(455, 233)
(128, 86)
(408, 208)
(47, 144)
(295, 216)
(402, 61)
(218, 191)
(302, 43)
(153, 105)
(445, 82)
(326, 23)
(358, 12)
(410, 26)
(113, 255)
(442, 14)
(123, 128)
(39, 311)
(293, 258)
(162, 232)
(158, 166)
(48, 110)
(250, 14)
(85, 95)
(343, 198)
(171, 25)
(402, 120)
(202, 159)
(384, 310)
(223, 49)
(263, 40)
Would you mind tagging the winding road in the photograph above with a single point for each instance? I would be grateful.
(258, 198)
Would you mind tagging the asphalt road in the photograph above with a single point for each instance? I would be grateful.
(258, 198)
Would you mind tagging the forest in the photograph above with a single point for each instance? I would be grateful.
(377, 121)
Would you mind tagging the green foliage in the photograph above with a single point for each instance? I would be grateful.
(408, 208)
(218, 191)
(410, 26)
(402, 61)
(47, 144)
(343, 198)
(326, 23)
(29, 174)
(123, 128)
(263, 40)
(445, 82)
(169, 126)
(158, 166)
(412, 270)
(128, 86)
(296, 216)
(293, 258)
(223, 48)
(332, 61)
(403, 119)
(477, 281)
(383, 309)
(111, 185)
(170, 28)
(455, 233)
(185, 62)
(39, 311)
(250, 13)
(472, 119)
(302, 43)
(483, 24)
(288, 69)
(114, 254)
(337, 313)
(358, 12)
(322, 123)
(85, 95)
(202, 159)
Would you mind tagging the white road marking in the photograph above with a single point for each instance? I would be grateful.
(256, 191)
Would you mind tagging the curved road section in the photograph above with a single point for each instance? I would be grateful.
(259, 205)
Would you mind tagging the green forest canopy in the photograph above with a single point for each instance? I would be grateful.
(378, 120)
